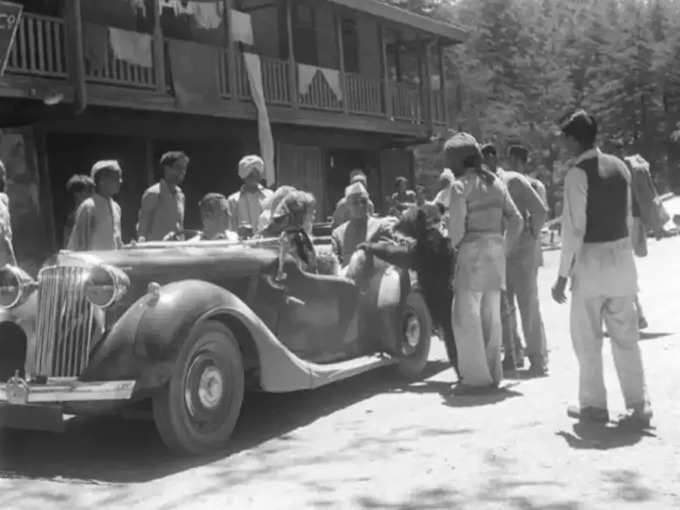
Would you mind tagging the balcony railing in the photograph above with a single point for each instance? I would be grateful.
(39, 47)
(40, 50)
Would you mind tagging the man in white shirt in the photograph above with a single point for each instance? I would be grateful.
(597, 255)
(247, 204)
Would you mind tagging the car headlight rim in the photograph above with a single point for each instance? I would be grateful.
(23, 284)
(113, 285)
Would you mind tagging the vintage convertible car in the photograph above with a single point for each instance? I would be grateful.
(189, 326)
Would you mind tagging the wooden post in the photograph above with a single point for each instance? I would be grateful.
(343, 74)
(75, 53)
(158, 50)
(426, 83)
(232, 52)
(387, 89)
(150, 163)
(292, 66)
(442, 84)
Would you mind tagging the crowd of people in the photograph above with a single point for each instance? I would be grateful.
(475, 247)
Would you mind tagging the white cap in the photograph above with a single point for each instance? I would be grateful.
(356, 189)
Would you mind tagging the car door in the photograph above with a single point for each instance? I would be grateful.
(318, 317)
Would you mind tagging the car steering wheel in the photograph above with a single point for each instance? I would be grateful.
(182, 235)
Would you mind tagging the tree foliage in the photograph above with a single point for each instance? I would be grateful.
(527, 62)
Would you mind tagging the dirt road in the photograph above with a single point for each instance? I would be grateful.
(373, 442)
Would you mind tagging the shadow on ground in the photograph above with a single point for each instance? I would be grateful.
(594, 436)
(115, 450)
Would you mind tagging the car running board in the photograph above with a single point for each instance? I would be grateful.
(333, 372)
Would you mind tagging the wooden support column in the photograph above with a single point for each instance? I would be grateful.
(232, 52)
(75, 54)
(387, 85)
(426, 84)
(158, 51)
(341, 53)
(292, 65)
(150, 163)
(442, 83)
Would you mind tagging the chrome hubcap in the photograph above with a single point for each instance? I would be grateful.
(210, 387)
(411, 334)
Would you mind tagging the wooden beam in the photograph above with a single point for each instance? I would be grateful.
(232, 52)
(75, 53)
(292, 65)
(341, 53)
(387, 83)
(442, 83)
(158, 50)
(426, 84)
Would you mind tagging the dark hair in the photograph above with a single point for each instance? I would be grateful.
(582, 127)
(399, 180)
(489, 149)
(172, 157)
(80, 183)
(214, 202)
(520, 152)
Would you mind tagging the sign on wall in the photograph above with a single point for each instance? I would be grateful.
(10, 17)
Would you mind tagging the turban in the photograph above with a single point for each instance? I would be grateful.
(108, 164)
(461, 146)
(447, 175)
(250, 164)
(356, 189)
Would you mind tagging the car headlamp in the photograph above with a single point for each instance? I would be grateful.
(105, 285)
(15, 287)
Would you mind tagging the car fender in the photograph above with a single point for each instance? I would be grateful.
(24, 317)
(146, 340)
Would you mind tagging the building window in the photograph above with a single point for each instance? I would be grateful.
(350, 45)
(304, 35)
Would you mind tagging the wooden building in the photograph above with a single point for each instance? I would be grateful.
(347, 83)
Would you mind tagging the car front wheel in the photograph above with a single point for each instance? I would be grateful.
(195, 413)
(415, 336)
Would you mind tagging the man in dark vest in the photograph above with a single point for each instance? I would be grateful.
(597, 255)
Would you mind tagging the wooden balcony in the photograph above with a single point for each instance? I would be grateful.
(40, 52)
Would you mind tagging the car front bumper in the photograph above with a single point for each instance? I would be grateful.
(18, 391)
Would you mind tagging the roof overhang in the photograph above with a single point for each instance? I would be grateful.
(448, 32)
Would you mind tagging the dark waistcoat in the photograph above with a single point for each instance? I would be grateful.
(607, 204)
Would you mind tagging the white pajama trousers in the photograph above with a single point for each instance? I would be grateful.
(619, 314)
(478, 331)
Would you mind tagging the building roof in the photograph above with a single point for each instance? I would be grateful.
(451, 33)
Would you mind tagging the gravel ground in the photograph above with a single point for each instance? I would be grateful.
(373, 442)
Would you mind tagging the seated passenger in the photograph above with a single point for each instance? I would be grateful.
(402, 198)
(361, 227)
(341, 214)
(294, 216)
(214, 209)
(270, 205)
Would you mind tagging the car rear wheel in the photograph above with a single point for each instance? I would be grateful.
(415, 336)
(195, 413)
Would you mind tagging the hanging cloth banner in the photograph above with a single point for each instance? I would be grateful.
(207, 14)
(194, 68)
(333, 79)
(264, 129)
(131, 47)
(242, 27)
(306, 74)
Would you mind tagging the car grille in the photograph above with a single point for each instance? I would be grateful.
(65, 323)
